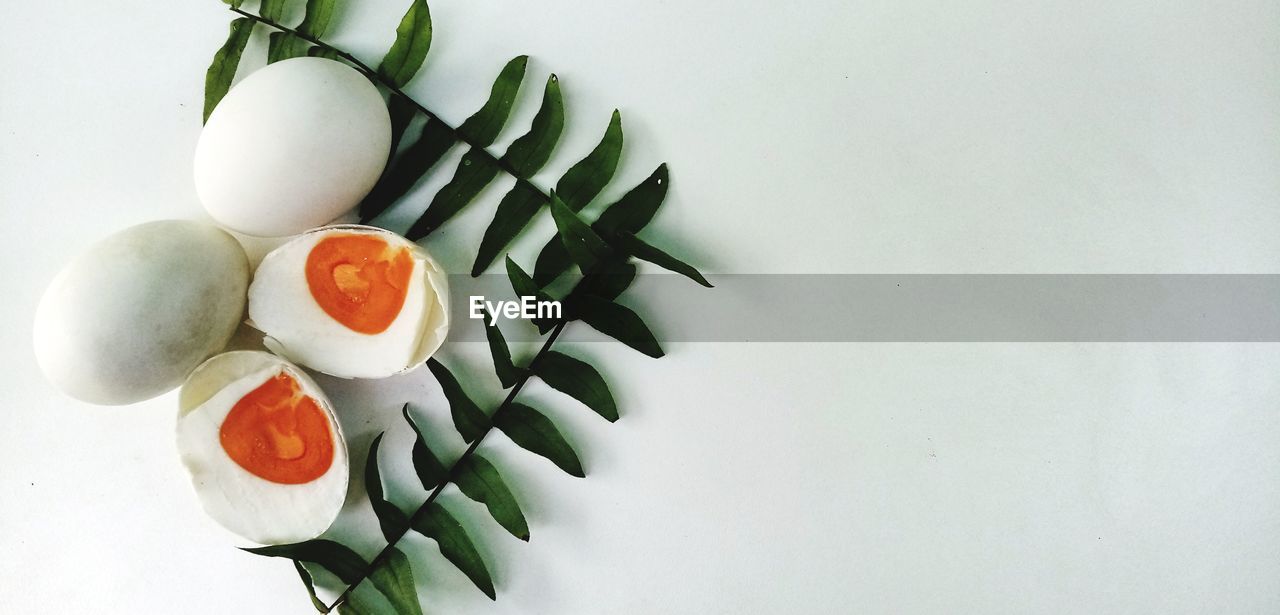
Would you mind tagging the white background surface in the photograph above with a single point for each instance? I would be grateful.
(903, 136)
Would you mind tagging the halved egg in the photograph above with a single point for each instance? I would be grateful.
(265, 454)
(351, 301)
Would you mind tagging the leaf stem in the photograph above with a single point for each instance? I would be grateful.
(377, 77)
(452, 474)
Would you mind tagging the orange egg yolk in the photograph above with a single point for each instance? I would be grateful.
(359, 280)
(277, 433)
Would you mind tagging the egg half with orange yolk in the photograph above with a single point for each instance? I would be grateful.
(266, 456)
(351, 301)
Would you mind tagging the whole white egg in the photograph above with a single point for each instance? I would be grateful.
(293, 146)
(130, 317)
(263, 447)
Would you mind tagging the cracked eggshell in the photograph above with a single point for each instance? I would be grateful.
(282, 306)
(130, 317)
(293, 146)
(252, 507)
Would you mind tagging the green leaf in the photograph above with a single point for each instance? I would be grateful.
(358, 602)
(552, 261)
(455, 545)
(536, 433)
(480, 481)
(636, 208)
(584, 180)
(468, 418)
(607, 281)
(507, 371)
(521, 283)
(336, 558)
(311, 587)
(583, 245)
(272, 9)
(285, 45)
(409, 51)
(483, 127)
(514, 212)
(532, 150)
(475, 171)
(524, 286)
(235, 4)
(578, 380)
(390, 518)
(318, 17)
(436, 139)
(222, 71)
(638, 248)
(630, 213)
(430, 471)
(327, 53)
(401, 112)
(394, 579)
(620, 323)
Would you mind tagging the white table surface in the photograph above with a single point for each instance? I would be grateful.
(838, 137)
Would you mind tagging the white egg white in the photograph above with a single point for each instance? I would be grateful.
(282, 307)
(254, 508)
(130, 317)
(293, 146)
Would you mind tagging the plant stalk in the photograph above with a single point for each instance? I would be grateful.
(451, 475)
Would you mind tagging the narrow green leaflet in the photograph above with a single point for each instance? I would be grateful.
(222, 71)
(584, 180)
(507, 371)
(394, 579)
(409, 51)
(577, 380)
(455, 545)
(524, 286)
(638, 248)
(475, 172)
(583, 245)
(235, 4)
(514, 212)
(401, 112)
(521, 283)
(525, 157)
(552, 261)
(285, 45)
(336, 558)
(272, 9)
(631, 213)
(305, 575)
(480, 481)
(607, 280)
(532, 150)
(390, 518)
(620, 323)
(468, 418)
(428, 467)
(318, 17)
(483, 127)
(323, 52)
(536, 433)
(636, 208)
(436, 139)
(361, 601)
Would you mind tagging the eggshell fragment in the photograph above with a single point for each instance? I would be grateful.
(237, 496)
(285, 306)
(130, 317)
(293, 146)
